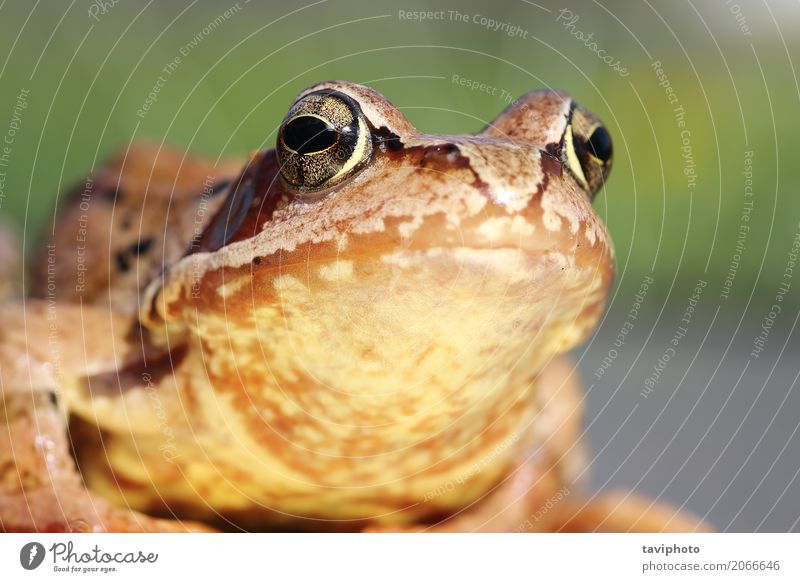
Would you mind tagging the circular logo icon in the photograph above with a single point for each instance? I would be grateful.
(31, 555)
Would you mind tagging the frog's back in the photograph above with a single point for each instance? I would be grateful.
(136, 214)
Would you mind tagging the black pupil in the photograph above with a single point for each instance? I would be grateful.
(307, 135)
(600, 144)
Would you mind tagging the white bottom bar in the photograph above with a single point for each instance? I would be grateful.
(401, 557)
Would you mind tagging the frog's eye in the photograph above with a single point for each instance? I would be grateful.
(323, 140)
(586, 150)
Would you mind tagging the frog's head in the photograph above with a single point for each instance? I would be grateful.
(362, 249)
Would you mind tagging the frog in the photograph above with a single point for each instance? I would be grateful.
(364, 328)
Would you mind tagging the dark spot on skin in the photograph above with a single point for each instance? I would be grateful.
(395, 145)
(256, 261)
(122, 261)
(383, 139)
(136, 249)
(551, 166)
(554, 150)
(126, 221)
(142, 246)
(114, 195)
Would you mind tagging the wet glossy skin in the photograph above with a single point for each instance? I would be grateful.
(362, 342)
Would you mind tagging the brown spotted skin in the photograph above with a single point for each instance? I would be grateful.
(115, 232)
(127, 220)
(381, 353)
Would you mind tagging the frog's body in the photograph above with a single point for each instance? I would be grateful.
(358, 330)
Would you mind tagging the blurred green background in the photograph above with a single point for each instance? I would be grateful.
(719, 434)
(89, 69)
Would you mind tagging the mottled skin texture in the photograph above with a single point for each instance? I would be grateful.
(381, 354)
